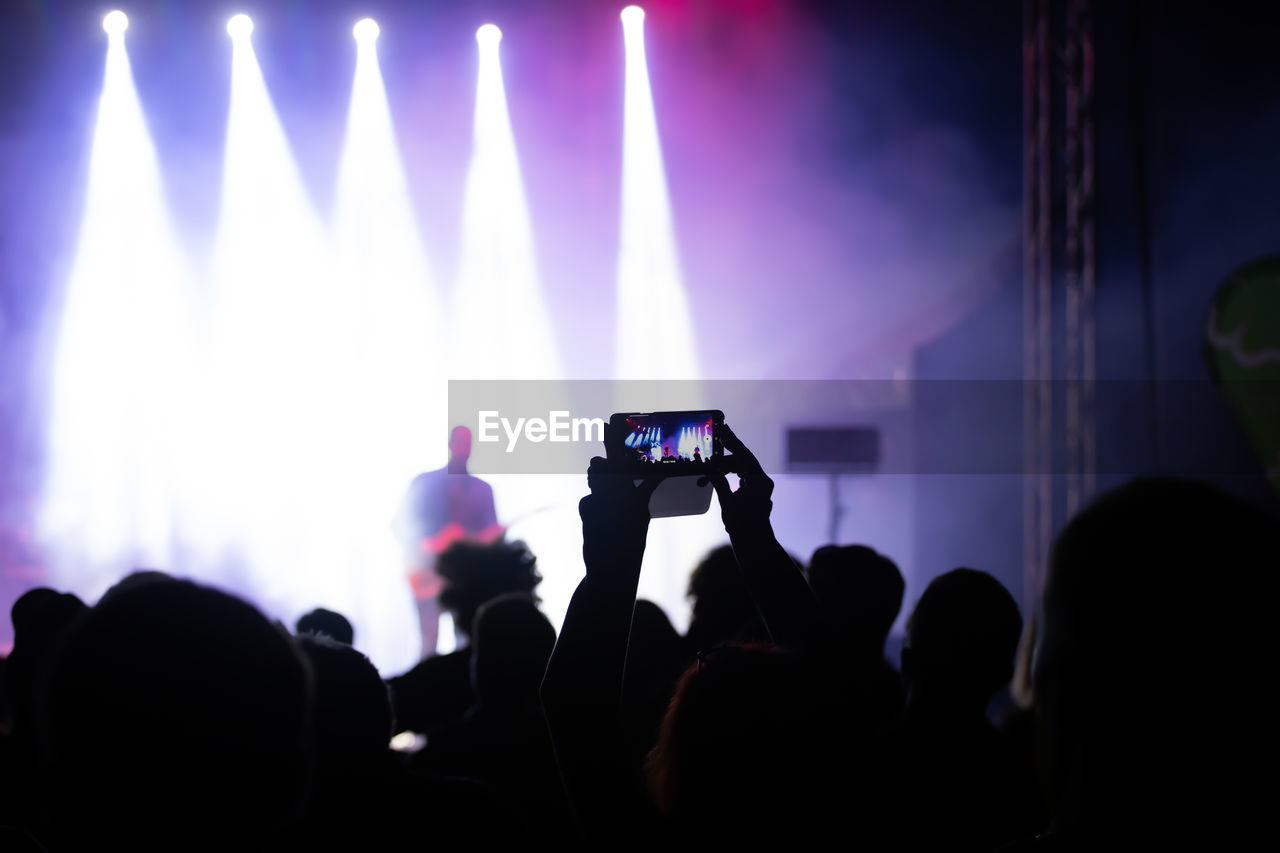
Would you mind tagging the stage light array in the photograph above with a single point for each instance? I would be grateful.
(269, 439)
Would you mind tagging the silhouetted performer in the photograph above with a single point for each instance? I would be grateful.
(443, 507)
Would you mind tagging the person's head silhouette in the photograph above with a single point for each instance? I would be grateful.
(352, 709)
(41, 617)
(861, 591)
(328, 623)
(751, 730)
(195, 698)
(961, 641)
(475, 573)
(1154, 666)
(722, 607)
(509, 653)
(459, 447)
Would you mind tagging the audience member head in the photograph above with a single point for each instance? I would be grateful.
(656, 654)
(722, 607)
(191, 695)
(961, 641)
(41, 617)
(509, 652)
(860, 590)
(326, 622)
(751, 730)
(475, 573)
(352, 708)
(1157, 652)
(656, 657)
(134, 579)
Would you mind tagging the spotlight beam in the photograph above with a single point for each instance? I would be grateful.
(655, 340)
(502, 327)
(393, 340)
(503, 321)
(648, 265)
(121, 366)
(271, 397)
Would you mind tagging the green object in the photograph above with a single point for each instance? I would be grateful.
(1242, 349)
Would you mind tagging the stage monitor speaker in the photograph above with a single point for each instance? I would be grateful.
(833, 449)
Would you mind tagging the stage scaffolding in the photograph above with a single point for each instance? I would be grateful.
(1059, 274)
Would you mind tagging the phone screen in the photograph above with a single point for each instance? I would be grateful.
(678, 439)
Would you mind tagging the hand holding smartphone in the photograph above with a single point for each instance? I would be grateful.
(678, 447)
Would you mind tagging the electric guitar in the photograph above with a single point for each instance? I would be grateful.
(424, 579)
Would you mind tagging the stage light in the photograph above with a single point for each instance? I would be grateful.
(366, 30)
(115, 23)
(121, 368)
(394, 349)
(502, 321)
(502, 328)
(273, 397)
(656, 343)
(240, 26)
(648, 265)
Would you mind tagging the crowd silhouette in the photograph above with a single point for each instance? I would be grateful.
(170, 715)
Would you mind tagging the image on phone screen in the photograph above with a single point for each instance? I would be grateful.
(670, 438)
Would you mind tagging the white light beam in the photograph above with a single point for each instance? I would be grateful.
(502, 329)
(502, 322)
(655, 338)
(122, 366)
(268, 500)
(393, 336)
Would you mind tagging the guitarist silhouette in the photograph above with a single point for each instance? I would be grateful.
(440, 508)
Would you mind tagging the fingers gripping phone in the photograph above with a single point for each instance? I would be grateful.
(678, 447)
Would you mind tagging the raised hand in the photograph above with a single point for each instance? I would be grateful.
(582, 687)
(615, 515)
(782, 598)
(747, 508)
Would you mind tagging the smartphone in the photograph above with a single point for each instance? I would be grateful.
(676, 446)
